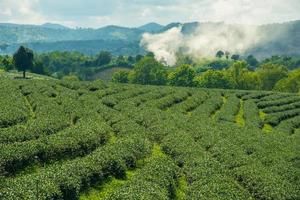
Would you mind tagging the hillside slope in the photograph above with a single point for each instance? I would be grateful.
(70, 140)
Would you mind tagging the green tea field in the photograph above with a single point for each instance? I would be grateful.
(95, 140)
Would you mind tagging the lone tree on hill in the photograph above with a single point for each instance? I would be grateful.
(23, 59)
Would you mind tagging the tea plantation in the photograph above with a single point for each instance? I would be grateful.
(90, 140)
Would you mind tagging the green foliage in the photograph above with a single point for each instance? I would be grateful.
(59, 64)
(230, 110)
(122, 62)
(252, 61)
(182, 76)
(251, 115)
(213, 79)
(121, 76)
(103, 58)
(13, 109)
(269, 74)
(237, 74)
(148, 71)
(70, 78)
(241, 77)
(7, 63)
(39, 68)
(235, 57)
(290, 62)
(225, 74)
(290, 83)
(155, 181)
(219, 64)
(138, 57)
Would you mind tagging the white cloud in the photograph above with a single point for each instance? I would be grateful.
(250, 11)
(164, 45)
(20, 11)
(146, 12)
(205, 41)
(98, 13)
(6, 12)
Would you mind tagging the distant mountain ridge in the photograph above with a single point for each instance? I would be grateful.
(50, 37)
(54, 26)
(151, 27)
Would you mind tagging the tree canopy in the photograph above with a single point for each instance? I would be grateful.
(23, 59)
(148, 71)
(182, 76)
(213, 79)
(220, 54)
(290, 83)
(269, 74)
(121, 76)
(103, 58)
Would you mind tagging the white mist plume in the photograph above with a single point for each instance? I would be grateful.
(205, 40)
(164, 45)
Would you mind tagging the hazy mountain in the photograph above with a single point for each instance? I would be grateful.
(54, 26)
(49, 37)
(151, 27)
(28, 34)
(172, 25)
(88, 47)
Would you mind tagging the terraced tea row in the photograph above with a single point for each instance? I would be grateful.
(61, 140)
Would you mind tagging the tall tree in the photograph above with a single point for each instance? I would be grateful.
(138, 58)
(148, 71)
(241, 77)
(121, 76)
(213, 79)
(252, 61)
(220, 54)
(236, 72)
(23, 59)
(269, 74)
(182, 76)
(130, 59)
(103, 58)
(290, 83)
(235, 57)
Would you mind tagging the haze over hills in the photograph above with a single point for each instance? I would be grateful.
(278, 39)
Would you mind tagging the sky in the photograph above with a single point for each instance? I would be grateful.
(132, 13)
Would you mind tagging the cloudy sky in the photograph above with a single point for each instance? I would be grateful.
(98, 13)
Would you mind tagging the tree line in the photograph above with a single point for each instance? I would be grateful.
(59, 64)
(225, 71)
(239, 75)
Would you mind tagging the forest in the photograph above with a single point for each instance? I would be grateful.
(226, 71)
